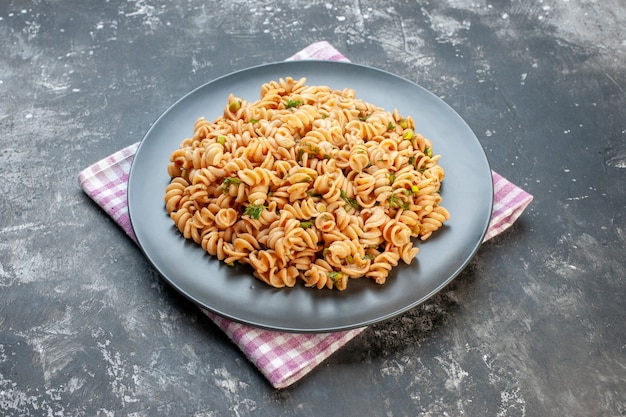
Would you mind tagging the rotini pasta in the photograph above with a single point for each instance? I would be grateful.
(307, 183)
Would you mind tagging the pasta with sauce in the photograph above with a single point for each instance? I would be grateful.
(307, 184)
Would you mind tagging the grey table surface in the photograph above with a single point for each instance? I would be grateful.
(535, 326)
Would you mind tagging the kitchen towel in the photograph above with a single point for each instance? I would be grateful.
(283, 358)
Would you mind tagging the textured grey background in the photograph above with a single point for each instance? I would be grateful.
(534, 327)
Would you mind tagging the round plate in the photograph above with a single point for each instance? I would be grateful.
(233, 292)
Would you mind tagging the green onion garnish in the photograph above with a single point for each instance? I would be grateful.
(234, 106)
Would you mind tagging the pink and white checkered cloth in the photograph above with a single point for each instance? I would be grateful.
(283, 358)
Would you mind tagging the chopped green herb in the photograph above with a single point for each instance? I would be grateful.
(396, 202)
(364, 118)
(406, 192)
(312, 150)
(327, 156)
(392, 177)
(412, 160)
(335, 276)
(307, 224)
(428, 152)
(403, 123)
(325, 252)
(293, 103)
(230, 181)
(391, 126)
(369, 256)
(407, 134)
(254, 211)
(350, 259)
(350, 201)
(253, 121)
(221, 139)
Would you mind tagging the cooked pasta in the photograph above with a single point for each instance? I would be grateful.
(307, 184)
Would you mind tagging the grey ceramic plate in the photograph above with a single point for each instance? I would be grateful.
(233, 292)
